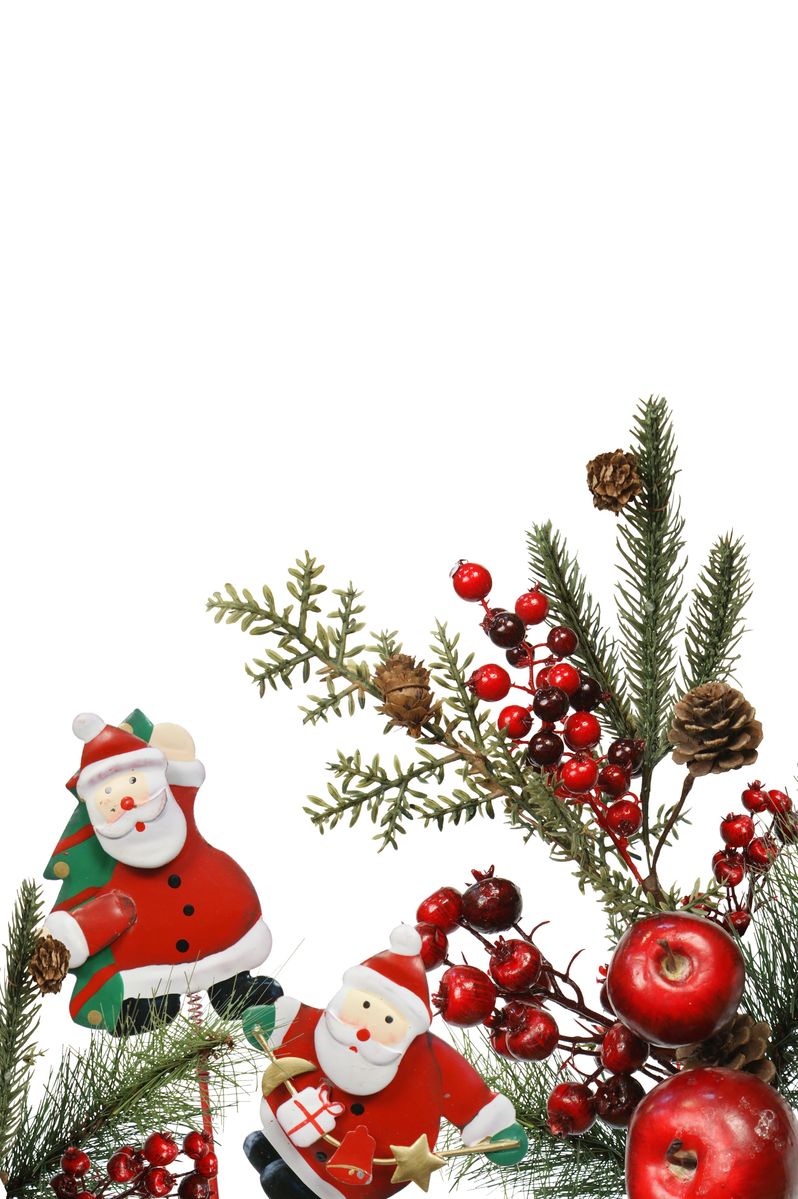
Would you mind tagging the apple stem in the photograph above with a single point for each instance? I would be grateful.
(670, 960)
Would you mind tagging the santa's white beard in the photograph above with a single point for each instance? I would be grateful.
(161, 839)
(359, 1067)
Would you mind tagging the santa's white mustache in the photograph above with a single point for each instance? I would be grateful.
(372, 1051)
(146, 813)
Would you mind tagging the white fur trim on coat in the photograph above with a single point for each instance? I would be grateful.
(492, 1118)
(65, 928)
(285, 1010)
(185, 774)
(412, 1008)
(147, 981)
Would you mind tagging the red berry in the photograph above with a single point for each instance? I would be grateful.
(498, 1040)
(613, 780)
(738, 922)
(618, 1099)
(516, 1014)
(121, 1167)
(587, 696)
(471, 581)
(604, 998)
(545, 749)
(582, 731)
(465, 996)
(737, 831)
(64, 1186)
(517, 721)
(195, 1144)
(571, 1109)
(536, 1039)
(761, 853)
(779, 803)
(624, 818)
(505, 629)
(755, 798)
(85, 1195)
(579, 774)
(157, 1181)
(562, 641)
(728, 867)
(160, 1149)
(207, 1166)
(565, 676)
(75, 1162)
(515, 965)
(434, 945)
(443, 908)
(550, 703)
(623, 1051)
(193, 1186)
(532, 607)
(490, 682)
(628, 753)
(542, 679)
(491, 905)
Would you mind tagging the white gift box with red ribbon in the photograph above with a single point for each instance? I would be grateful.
(308, 1115)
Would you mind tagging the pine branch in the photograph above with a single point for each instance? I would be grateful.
(571, 604)
(121, 1088)
(714, 625)
(20, 1004)
(649, 594)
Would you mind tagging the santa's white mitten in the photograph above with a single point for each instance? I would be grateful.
(66, 929)
(308, 1115)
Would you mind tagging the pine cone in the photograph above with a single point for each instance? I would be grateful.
(613, 480)
(49, 965)
(742, 1045)
(714, 729)
(404, 685)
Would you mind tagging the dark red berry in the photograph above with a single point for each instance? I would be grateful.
(465, 996)
(604, 998)
(779, 803)
(471, 581)
(443, 908)
(579, 774)
(582, 731)
(515, 965)
(587, 696)
(194, 1186)
(506, 629)
(490, 682)
(491, 905)
(562, 641)
(545, 749)
(628, 753)
(550, 704)
(728, 867)
(624, 817)
(755, 798)
(737, 831)
(515, 721)
(498, 1040)
(160, 1149)
(532, 607)
(434, 945)
(64, 1185)
(536, 1039)
(617, 1099)
(571, 1109)
(75, 1162)
(565, 676)
(516, 1014)
(518, 657)
(613, 780)
(761, 854)
(622, 1051)
(738, 922)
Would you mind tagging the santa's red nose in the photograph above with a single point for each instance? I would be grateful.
(127, 802)
(363, 1034)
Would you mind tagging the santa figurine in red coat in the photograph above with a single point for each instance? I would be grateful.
(368, 1074)
(164, 913)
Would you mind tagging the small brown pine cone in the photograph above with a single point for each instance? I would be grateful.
(742, 1045)
(404, 686)
(49, 964)
(714, 729)
(613, 480)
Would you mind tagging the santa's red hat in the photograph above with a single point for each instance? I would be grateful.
(398, 976)
(108, 750)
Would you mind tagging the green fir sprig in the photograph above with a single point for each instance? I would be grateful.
(19, 1018)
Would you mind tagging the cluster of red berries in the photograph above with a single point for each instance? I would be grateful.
(143, 1171)
(511, 999)
(563, 699)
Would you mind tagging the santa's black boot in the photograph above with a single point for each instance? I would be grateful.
(259, 1153)
(280, 1182)
(231, 996)
(141, 1015)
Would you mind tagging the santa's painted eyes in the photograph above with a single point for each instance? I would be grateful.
(389, 1019)
(366, 1003)
(107, 790)
(132, 778)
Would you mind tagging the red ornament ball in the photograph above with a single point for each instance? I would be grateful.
(157, 1182)
(579, 774)
(443, 908)
(532, 607)
(737, 831)
(624, 818)
(194, 1186)
(562, 641)
(465, 997)
(160, 1149)
(565, 676)
(537, 1037)
(491, 905)
(582, 731)
(207, 1166)
(471, 581)
(490, 682)
(75, 1162)
(515, 965)
(515, 721)
(571, 1109)
(434, 945)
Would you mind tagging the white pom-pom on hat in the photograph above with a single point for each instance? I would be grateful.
(87, 725)
(406, 940)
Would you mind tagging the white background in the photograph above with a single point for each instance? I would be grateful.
(376, 280)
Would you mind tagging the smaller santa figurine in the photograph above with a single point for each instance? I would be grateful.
(368, 1074)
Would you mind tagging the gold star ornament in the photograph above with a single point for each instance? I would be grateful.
(415, 1163)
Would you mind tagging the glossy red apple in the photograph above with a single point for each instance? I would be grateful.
(712, 1134)
(675, 978)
